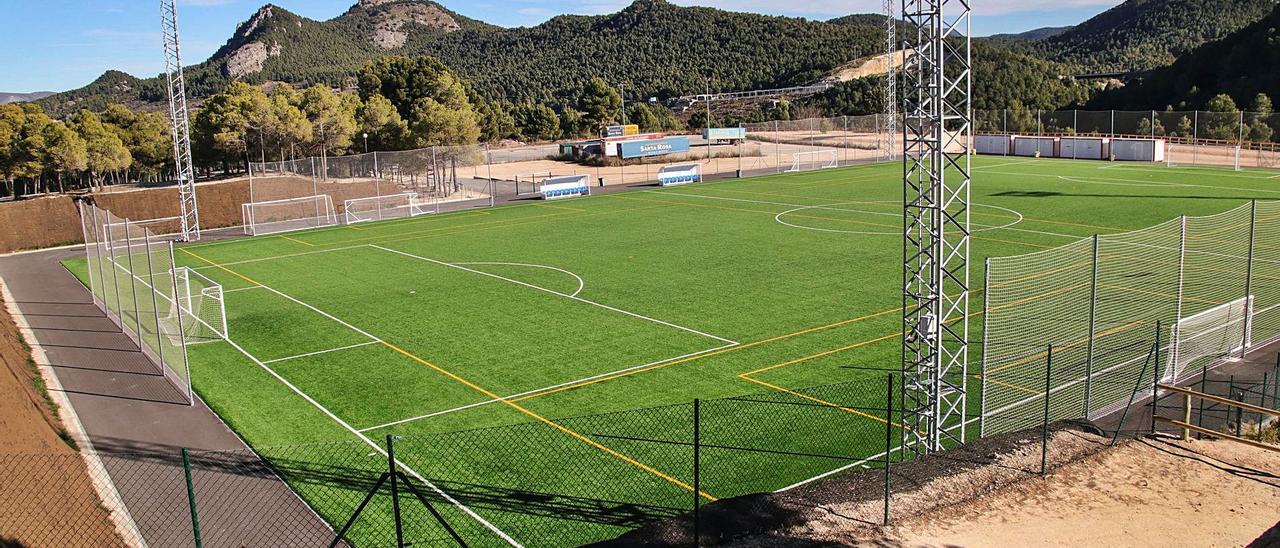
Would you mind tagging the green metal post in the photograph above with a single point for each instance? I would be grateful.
(888, 445)
(697, 479)
(395, 493)
(1044, 432)
(1155, 380)
(191, 498)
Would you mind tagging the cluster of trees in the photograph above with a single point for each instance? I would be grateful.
(661, 49)
(399, 103)
(1221, 120)
(87, 150)
(1138, 35)
(1241, 65)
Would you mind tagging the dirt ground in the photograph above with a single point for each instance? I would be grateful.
(1157, 492)
(46, 497)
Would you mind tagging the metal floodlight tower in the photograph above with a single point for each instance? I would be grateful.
(937, 127)
(180, 122)
(890, 128)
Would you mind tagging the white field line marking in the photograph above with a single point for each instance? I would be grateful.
(581, 284)
(831, 207)
(225, 291)
(317, 353)
(275, 257)
(348, 427)
(546, 388)
(1134, 182)
(1221, 171)
(565, 295)
(784, 204)
(1004, 164)
(861, 463)
(379, 449)
(1121, 182)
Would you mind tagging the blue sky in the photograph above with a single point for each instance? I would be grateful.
(58, 45)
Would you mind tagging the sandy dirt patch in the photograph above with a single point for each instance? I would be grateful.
(1157, 492)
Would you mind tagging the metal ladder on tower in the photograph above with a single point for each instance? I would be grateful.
(180, 122)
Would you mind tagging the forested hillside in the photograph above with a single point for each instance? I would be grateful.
(656, 48)
(1241, 65)
(1145, 34)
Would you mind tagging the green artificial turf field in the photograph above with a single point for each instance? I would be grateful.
(538, 361)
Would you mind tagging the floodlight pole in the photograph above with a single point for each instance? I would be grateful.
(937, 127)
(891, 77)
(180, 122)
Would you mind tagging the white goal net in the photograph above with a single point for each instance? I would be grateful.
(1207, 155)
(203, 308)
(1216, 333)
(377, 208)
(815, 159)
(289, 214)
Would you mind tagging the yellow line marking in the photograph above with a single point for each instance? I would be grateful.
(549, 422)
(823, 402)
(1008, 384)
(1155, 293)
(714, 353)
(821, 354)
(1073, 344)
(519, 408)
(295, 240)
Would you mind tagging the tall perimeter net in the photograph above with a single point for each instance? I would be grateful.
(1124, 311)
(162, 307)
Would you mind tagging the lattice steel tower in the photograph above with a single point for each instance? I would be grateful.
(180, 122)
(936, 138)
(890, 125)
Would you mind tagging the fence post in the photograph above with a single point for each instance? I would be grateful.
(1239, 414)
(1248, 280)
(1093, 319)
(191, 498)
(888, 444)
(1044, 431)
(697, 467)
(1262, 400)
(982, 379)
(1195, 138)
(1153, 124)
(777, 146)
(1137, 386)
(1182, 264)
(1113, 123)
(1204, 386)
(395, 494)
(1155, 379)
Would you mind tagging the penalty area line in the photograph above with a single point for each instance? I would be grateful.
(537, 391)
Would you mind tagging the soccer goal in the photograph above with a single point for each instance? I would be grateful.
(203, 308)
(1180, 155)
(1216, 333)
(681, 174)
(288, 214)
(814, 159)
(377, 208)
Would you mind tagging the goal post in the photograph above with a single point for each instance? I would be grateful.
(1203, 155)
(377, 208)
(814, 159)
(289, 214)
(679, 174)
(203, 305)
(1216, 333)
